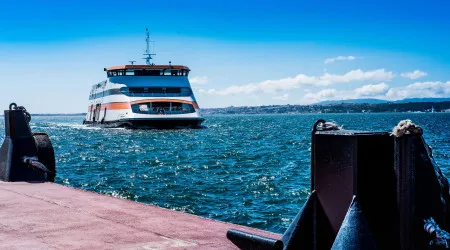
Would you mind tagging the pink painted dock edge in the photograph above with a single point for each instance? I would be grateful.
(52, 216)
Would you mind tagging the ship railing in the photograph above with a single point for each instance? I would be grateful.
(153, 94)
(166, 112)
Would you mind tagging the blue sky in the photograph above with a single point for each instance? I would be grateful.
(240, 52)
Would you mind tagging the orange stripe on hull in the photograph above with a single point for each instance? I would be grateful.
(112, 106)
(127, 105)
(117, 105)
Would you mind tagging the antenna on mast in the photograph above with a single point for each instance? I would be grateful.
(147, 54)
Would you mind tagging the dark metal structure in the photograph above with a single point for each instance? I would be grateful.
(25, 156)
(369, 190)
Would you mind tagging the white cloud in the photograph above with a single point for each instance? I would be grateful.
(207, 91)
(273, 86)
(358, 75)
(414, 75)
(284, 97)
(339, 58)
(325, 94)
(198, 80)
(372, 90)
(382, 91)
(420, 90)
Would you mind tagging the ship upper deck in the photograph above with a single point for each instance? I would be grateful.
(147, 70)
(153, 66)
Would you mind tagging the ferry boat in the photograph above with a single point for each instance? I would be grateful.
(144, 96)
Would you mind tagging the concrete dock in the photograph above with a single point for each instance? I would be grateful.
(52, 216)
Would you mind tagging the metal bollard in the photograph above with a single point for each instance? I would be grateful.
(25, 156)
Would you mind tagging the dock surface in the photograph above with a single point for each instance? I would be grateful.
(52, 216)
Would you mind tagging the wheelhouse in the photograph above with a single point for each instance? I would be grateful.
(147, 70)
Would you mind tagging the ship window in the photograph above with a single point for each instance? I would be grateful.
(185, 92)
(144, 107)
(163, 108)
(156, 91)
(173, 90)
(158, 106)
(176, 106)
(124, 90)
(187, 108)
(153, 72)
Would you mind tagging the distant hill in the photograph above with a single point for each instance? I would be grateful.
(423, 100)
(379, 101)
(356, 101)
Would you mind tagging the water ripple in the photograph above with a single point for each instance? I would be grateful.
(250, 170)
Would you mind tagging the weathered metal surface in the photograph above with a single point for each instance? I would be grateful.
(20, 145)
(423, 191)
(357, 163)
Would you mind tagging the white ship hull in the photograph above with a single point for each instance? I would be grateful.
(129, 99)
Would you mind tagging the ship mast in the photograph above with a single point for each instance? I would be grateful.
(147, 54)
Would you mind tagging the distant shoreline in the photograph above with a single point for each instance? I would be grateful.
(341, 108)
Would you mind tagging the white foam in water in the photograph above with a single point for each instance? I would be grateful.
(117, 128)
(68, 125)
(75, 126)
(81, 126)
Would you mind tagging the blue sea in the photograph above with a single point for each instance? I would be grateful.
(251, 170)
